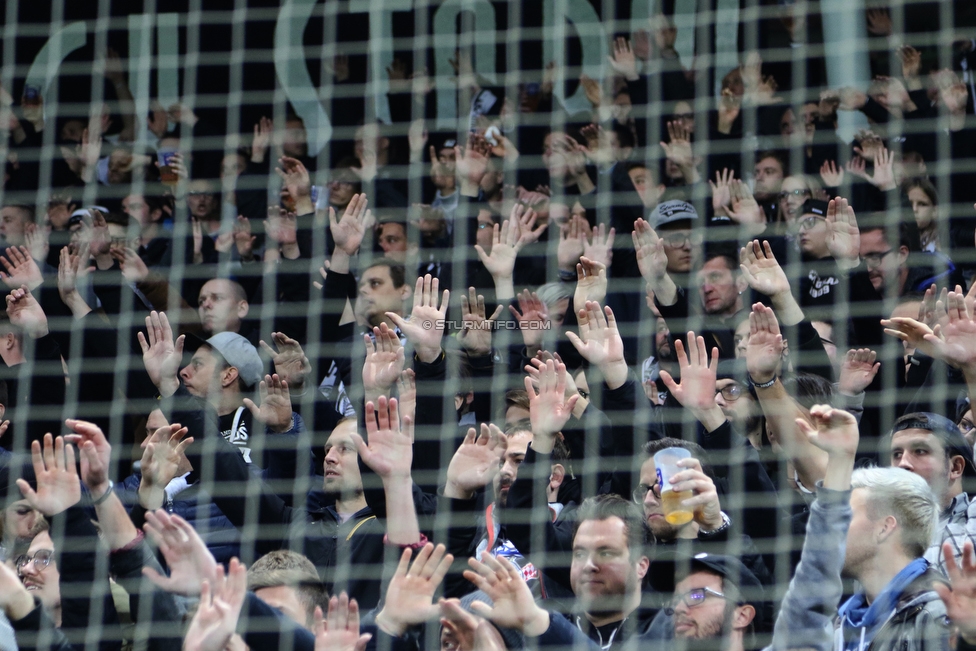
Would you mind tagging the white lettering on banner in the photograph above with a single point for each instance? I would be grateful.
(446, 43)
(562, 19)
(557, 15)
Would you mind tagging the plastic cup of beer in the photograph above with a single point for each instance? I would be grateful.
(666, 463)
(166, 173)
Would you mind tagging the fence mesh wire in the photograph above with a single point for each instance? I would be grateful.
(593, 114)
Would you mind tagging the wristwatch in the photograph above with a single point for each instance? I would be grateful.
(726, 523)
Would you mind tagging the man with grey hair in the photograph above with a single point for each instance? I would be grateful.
(880, 521)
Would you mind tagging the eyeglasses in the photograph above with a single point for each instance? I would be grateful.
(874, 259)
(41, 559)
(793, 193)
(643, 489)
(482, 226)
(678, 238)
(809, 223)
(731, 392)
(692, 598)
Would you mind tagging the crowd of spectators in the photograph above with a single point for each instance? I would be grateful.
(412, 390)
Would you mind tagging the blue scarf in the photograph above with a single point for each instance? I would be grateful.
(856, 614)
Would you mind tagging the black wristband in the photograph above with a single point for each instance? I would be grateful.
(763, 385)
(105, 495)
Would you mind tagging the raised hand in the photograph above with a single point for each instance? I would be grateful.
(161, 356)
(834, 430)
(591, 281)
(476, 461)
(475, 337)
(843, 237)
(600, 344)
(162, 458)
(425, 329)
(696, 390)
(549, 408)
(598, 244)
(858, 370)
(95, 453)
(221, 600)
(531, 314)
(348, 232)
(20, 268)
(764, 353)
(275, 410)
(761, 270)
(513, 603)
(960, 598)
(505, 247)
(389, 452)
(678, 150)
(955, 343)
(911, 64)
(593, 90)
(912, 334)
(745, 210)
(134, 269)
(58, 487)
(471, 163)
(339, 631)
(296, 180)
(883, 177)
(26, 313)
(281, 226)
(290, 362)
(526, 219)
(623, 61)
(651, 257)
(189, 561)
(721, 193)
(831, 175)
(407, 394)
(243, 239)
(572, 239)
(263, 131)
(411, 590)
(384, 360)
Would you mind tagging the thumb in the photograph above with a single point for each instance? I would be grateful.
(158, 579)
(577, 342)
(669, 382)
(253, 408)
(26, 490)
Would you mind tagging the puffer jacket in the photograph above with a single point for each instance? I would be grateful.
(918, 623)
(220, 535)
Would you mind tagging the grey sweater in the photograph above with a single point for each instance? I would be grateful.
(806, 616)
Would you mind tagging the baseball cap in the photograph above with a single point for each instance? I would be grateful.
(238, 352)
(733, 571)
(953, 441)
(668, 212)
(814, 207)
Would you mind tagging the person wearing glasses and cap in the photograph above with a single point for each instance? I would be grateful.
(932, 447)
(717, 598)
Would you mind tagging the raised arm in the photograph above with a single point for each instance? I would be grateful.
(763, 362)
(696, 391)
(389, 453)
(653, 263)
(505, 248)
(808, 609)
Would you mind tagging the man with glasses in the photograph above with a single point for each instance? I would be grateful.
(677, 223)
(717, 599)
(898, 266)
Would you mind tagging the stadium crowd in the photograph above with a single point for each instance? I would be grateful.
(419, 390)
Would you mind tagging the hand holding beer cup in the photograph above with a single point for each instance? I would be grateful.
(687, 493)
